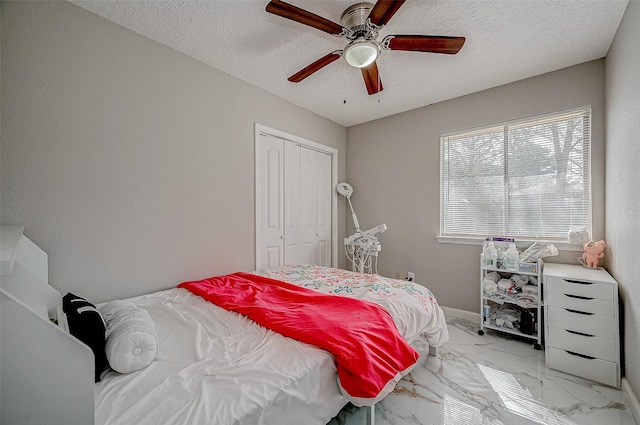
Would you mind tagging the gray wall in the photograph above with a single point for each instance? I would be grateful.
(129, 163)
(394, 167)
(623, 179)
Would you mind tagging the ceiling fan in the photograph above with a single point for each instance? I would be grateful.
(360, 25)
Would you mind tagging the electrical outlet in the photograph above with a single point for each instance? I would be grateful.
(411, 276)
(397, 274)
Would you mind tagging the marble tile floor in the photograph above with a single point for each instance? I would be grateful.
(491, 380)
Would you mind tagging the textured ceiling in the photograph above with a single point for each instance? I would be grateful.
(507, 40)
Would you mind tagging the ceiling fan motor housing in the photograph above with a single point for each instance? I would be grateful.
(355, 19)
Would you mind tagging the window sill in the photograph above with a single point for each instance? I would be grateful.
(562, 246)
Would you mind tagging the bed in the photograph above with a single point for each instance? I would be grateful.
(215, 366)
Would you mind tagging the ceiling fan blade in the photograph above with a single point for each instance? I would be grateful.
(294, 13)
(424, 43)
(372, 78)
(384, 10)
(316, 66)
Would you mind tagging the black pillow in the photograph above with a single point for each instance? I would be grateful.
(86, 324)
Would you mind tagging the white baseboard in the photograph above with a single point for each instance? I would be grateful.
(462, 314)
(631, 399)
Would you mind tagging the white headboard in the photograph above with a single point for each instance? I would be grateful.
(46, 374)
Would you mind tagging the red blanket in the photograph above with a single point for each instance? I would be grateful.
(371, 356)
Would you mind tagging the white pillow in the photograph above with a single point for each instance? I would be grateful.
(132, 341)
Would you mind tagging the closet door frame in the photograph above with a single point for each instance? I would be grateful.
(333, 152)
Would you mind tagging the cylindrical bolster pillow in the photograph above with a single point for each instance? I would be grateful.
(132, 341)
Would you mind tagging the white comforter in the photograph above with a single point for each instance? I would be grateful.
(216, 367)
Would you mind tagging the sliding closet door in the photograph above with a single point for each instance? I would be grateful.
(294, 204)
(270, 222)
(309, 171)
(316, 207)
(324, 219)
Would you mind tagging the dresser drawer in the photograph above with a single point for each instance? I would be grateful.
(592, 346)
(595, 369)
(581, 303)
(603, 291)
(591, 324)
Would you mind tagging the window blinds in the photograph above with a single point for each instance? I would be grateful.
(528, 179)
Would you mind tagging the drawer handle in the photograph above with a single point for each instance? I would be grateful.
(584, 356)
(578, 297)
(579, 333)
(578, 282)
(578, 312)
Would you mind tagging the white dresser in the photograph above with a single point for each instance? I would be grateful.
(582, 323)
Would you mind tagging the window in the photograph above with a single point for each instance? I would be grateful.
(528, 179)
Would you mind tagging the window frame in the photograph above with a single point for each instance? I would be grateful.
(532, 120)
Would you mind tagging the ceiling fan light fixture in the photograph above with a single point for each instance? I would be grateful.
(361, 53)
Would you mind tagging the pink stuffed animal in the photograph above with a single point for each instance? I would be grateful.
(593, 252)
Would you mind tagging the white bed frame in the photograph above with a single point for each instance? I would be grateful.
(46, 375)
